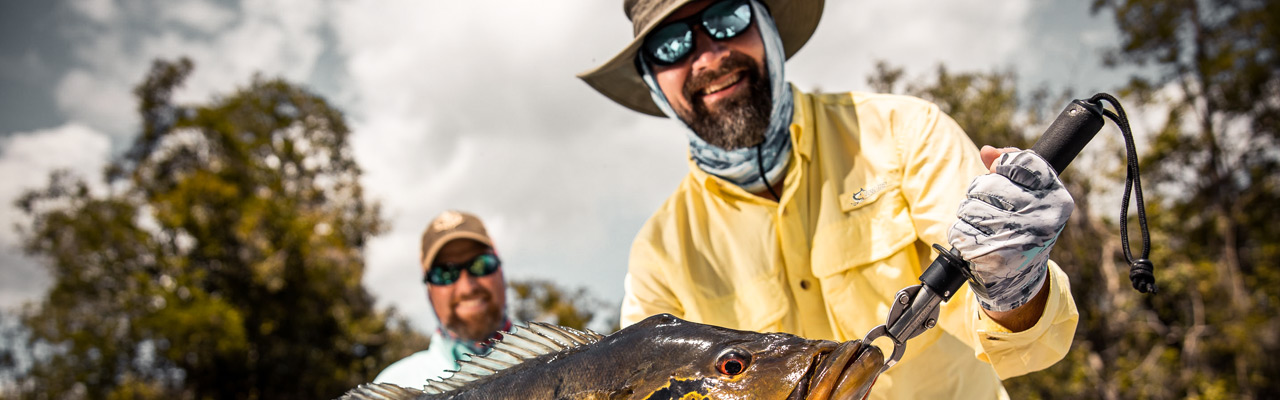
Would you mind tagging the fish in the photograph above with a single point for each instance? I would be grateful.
(660, 358)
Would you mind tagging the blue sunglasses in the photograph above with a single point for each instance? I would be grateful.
(674, 41)
(445, 274)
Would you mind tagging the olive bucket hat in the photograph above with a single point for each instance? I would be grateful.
(618, 78)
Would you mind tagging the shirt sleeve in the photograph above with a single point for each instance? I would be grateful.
(939, 162)
(646, 292)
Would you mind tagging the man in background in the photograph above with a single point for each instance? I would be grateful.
(463, 277)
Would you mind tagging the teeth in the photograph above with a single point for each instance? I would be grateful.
(720, 86)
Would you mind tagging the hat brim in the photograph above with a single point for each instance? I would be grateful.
(430, 255)
(619, 80)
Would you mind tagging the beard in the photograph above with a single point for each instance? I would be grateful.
(476, 328)
(741, 120)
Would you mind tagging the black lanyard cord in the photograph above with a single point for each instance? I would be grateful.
(760, 161)
(1141, 271)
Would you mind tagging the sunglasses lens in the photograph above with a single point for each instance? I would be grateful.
(722, 20)
(442, 275)
(484, 264)
(447, 274)
(727, 19)
(670, 43)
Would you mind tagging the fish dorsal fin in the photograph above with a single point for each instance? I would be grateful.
(381, 391)
(517, 346)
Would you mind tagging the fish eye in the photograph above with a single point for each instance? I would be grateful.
(733, 362)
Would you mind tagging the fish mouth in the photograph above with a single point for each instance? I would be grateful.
(843, 373)
(801, 390)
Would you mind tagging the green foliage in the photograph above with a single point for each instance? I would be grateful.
(987, 105)
(545, 301)
(1212, 329)
(224, 261)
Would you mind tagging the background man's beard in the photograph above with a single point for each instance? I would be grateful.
(741, 120)
(481, 327)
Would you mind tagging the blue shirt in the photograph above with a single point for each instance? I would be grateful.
(438, 361)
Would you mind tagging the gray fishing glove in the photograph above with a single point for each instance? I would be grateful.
(1007, 225)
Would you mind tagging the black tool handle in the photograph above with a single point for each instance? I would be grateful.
(1067, 135)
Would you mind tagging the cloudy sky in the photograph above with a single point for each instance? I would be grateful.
(463, 104)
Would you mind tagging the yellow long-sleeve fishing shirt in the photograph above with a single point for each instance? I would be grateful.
(874, 181)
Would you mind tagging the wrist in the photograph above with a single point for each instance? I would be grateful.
(1012, 290)
(1025, 317)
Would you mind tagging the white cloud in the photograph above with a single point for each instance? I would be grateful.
(273, 38)
(916, 34)
(203, 16)
(104, 103)
(26, 160)
(100, 11)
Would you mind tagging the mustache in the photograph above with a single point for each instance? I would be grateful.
(733, 62)
(478, 292)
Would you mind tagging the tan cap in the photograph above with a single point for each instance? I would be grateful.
(618, 78)
(448, 226)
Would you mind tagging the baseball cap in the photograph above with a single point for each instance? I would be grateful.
(448, 226)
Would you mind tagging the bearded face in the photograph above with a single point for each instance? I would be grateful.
(721, 89)
(471, 307)
(736, 119)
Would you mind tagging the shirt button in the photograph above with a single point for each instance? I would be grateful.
(804, 284)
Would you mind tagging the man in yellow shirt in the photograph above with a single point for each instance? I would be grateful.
(805, 213)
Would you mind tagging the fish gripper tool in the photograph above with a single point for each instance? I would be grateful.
(915, 308)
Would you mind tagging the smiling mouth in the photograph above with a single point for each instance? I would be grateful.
(721, 84)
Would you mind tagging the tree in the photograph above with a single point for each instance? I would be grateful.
(1217, 73)
(540, 300)
(987, 105)
(224, 261)
(1211, 329)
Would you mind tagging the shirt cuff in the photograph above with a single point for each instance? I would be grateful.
(1017, 353)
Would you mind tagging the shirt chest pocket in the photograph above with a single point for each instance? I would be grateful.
(863, 256)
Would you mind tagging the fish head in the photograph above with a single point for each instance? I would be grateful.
(677, 359)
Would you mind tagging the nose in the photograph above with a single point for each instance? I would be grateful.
(466, 282)
(708, 53)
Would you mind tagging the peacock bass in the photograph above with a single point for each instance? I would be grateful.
(660, 358)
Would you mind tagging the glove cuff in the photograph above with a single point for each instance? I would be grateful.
(1011, 292)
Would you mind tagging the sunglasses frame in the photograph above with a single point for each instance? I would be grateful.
(692, 23)
(466, 266)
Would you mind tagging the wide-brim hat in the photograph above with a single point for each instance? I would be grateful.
(447, 227)
(619, 80)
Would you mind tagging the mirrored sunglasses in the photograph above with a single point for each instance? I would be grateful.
(445, 274)
(674, 41)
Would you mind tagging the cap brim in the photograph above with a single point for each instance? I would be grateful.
(619, 80)
(449, 237)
